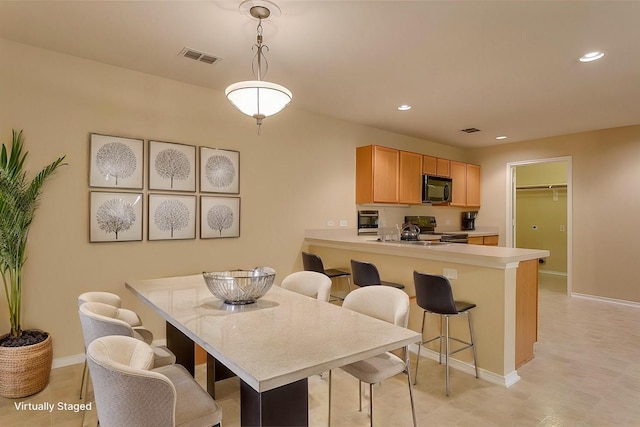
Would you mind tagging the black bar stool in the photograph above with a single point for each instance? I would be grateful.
(434, 295)
(312, 262)
(366, 274)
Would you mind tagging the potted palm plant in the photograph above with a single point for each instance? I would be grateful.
(25, 355)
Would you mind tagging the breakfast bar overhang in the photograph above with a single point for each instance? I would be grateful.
(503, 282)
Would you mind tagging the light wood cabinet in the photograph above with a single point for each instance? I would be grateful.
(429, 165)
(473, 185)
(490, 240)
(436, 166)
(483, 240)
(459, 184)
(444, 168)
(410, 178)
(388, 175)
(476, 240)
(377, 171)
(466, 184)
(526, 310)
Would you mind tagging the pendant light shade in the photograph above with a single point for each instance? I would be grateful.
(258, 98)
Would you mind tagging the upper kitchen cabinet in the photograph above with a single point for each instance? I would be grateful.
(410, 178)
(436, 166)
(466, 184)
(377, 170)
(473, 185)
(387, 175)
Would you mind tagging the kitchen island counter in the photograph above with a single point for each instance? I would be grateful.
(490, 256)
(501, 281)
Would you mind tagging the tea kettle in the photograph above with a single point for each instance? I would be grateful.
(409, 232)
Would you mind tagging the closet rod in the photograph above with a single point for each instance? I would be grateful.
(541, 187)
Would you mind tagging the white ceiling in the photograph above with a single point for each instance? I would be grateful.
(505, 67)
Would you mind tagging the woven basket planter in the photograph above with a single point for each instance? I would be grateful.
(25, 370)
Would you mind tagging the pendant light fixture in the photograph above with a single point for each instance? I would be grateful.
(258, 98)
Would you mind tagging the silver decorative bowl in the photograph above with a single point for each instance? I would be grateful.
(240, 286)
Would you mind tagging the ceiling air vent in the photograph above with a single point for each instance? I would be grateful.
(470, 130)
(199, 56)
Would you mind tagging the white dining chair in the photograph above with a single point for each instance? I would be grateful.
(128, 316)
(99, 320)
(130, 392)
(391, 305)
(309, 283)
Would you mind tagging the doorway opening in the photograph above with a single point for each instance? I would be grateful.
(539, 213)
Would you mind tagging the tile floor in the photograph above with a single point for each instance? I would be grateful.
(586, 372)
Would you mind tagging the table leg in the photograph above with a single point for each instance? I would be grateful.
(216, 371)
(283, 406)
(182, 346)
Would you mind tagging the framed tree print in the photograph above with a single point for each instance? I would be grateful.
(219, 171)
(115, 217)
(219, 217)
(172, 217)
(172, 166)
(115, 162)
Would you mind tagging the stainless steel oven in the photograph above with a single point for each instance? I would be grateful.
(368, 222)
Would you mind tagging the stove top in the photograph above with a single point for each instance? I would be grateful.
(428, 224)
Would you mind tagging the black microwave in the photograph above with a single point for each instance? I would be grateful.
(436, 189)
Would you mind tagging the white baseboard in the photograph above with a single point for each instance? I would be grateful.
(467, 368)
(553, 273)
(61, 362)
(626, 303)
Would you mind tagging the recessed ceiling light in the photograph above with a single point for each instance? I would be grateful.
(404, 107)
(501, 137)
(591, 56)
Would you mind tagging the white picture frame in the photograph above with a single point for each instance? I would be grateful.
(172, 166)
(219, 217)
(116, 162)
(219, 171)
(171, 217)
(115, 217)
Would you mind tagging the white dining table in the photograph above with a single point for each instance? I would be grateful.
(272, 345)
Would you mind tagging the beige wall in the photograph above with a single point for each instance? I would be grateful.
(605, 177)
(297, 175)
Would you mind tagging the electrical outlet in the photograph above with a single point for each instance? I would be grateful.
(447, 222)
(450, 273)
(330, 223)
(343, 223)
